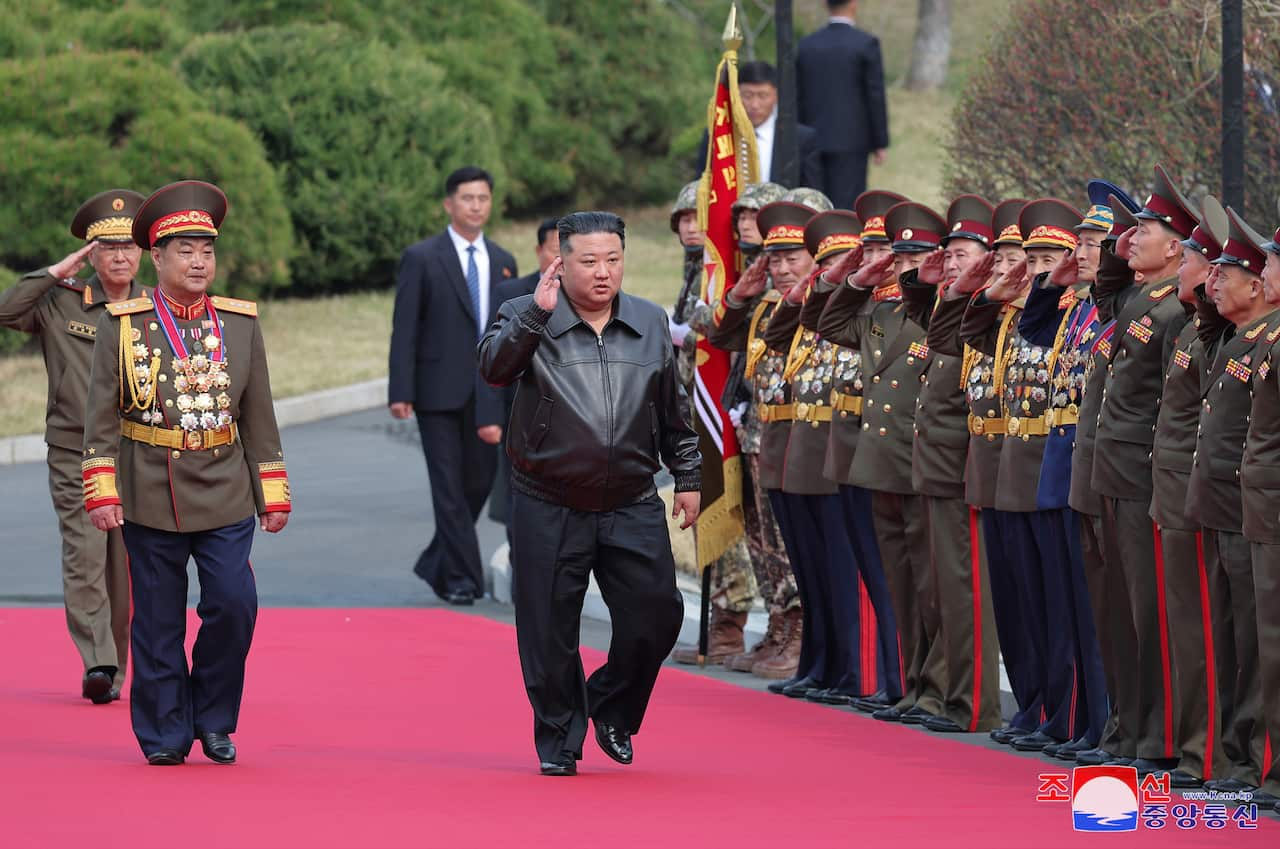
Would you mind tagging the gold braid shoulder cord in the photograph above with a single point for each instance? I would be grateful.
(755, 352)
(1003, 355)
(139, 399)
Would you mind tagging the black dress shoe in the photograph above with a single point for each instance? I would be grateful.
(1180, 780)
(777, 687)
(1034, 742)
(462, 598)
(166, 757)
(1264, 800)
(802, 688)
(831, 696)
(1004, 736)
(615, 742)
(1148, 766)
(888, 714)
(1068, 751)
(1051, 750)
(943, 725)
(873, 703)
(915, 715)
(1093, 757)
(561, 766)
(1120, 760)
(96, 685)
(1228, 785)
(218, 747)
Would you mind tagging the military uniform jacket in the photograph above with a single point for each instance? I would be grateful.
(809, 370)
(740, 327)
(176, 488)
(895, 356)
(941, 429)
(846, 393)
(1260, 467)
(1213, 498)
(1022, 389)
(1186, 377)
(1147, 320)
(64, 314)
(1083, 498)
(1066, 321)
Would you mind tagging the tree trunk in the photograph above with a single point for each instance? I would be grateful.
(932, 46)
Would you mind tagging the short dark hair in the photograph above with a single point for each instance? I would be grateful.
(586, 223)
(757, 72)
(548, 225)
(466, 174)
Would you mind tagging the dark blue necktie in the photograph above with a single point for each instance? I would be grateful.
(473, 286)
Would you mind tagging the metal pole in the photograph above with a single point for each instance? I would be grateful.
(786, 159)
(1233, 104)
(704, 615)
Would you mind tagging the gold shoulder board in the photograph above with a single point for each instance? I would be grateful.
(1161, 292)
(1255, 332)
(131, 306)
(235, 305)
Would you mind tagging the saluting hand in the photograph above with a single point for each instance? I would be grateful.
(1123, 243)
(1211, 282)
(796, 296)
(72, 263)
(930, 271)
(847, 264)
(875, 274)
(107, 517)
(971, 279)
(1066, 272)
(753, 281)
(1010, 284)
(548, 291)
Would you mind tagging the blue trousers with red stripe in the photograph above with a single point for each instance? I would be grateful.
(1093, 707)
(860, 527)
(804, 556)
(1012, 605)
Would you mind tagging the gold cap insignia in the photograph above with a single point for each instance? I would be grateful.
(907, 234)
(117, 204)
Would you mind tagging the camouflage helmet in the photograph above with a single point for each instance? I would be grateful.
(811, 198)
(757, 195)
(685, 201)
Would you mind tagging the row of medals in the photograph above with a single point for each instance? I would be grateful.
(194, 379)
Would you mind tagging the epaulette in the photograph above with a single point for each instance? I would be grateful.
(131, 306)
(1252, 335)
(73, 284)
(1068, 298)
(1159, 294)
(1274, 335)
(235, 305)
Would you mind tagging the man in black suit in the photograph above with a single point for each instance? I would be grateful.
(840, 93)
(758, 86)
(545, 252)
(443, 289)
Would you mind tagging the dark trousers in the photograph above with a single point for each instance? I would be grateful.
(1093, 705)
(1130, 534)
(1011, 602)
(557, 549)
(461, 469)
(860, 527)
(1188, 568)
(835, 571)
(1118, 641)
(844, 176)
(799, 539)
(1235, 640)
(169, 703)
(966, 633)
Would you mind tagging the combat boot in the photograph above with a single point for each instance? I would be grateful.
(768, 647)
(724, 638)
(783, 664)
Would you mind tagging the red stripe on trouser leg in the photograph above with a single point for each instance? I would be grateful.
(1211, 672)
(975, 574)
(867, 643)
(1166, 671)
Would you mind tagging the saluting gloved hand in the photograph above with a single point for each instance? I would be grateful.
(1066, 272)
(930, 271)
(847, 264)
(1010, 284)
(876, 274)
(753, 281)
(971, 279)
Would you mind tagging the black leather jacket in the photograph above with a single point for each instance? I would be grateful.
(593, 415)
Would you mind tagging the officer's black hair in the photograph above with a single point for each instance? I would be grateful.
(586, 223)
(466, 174)
(548, 226)
(757, 72)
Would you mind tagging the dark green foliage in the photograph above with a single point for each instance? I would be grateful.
(11, 341)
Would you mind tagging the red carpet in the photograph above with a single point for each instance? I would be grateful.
(410, 728)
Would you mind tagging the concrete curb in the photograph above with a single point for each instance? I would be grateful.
(297, 410)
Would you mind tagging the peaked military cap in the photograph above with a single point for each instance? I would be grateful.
(914, 227)
(871, 207)
(186, 208)
(1004, 222)
(782, 224)
(1049, 223)
(1273, 246)
(1100, 215)
(969, 217)
(107, 216)
(757, 195)
(831, 233)
(1124, 218)
(1166, 205)
(1210, 231)
(686, 201)
(812, 198)
(1243, 245)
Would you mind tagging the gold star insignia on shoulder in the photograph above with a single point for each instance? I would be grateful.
(92, 451)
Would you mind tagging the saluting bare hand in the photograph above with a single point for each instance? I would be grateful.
(753, 281)
(930, 271)
(847, 264)
(973, 277)
(876, 274)
(1211, 282)
(1123, 243)
(548, 291)
(1010, 284)
(1066, 272)
(72, 263)
(798, 293)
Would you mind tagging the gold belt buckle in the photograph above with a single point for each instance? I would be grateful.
(979, 425)
(1014, 425)
(194, 441)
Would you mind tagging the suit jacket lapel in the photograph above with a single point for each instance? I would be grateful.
(447, 257)
(495, 267)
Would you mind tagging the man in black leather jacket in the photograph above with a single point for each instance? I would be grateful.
(598, 407)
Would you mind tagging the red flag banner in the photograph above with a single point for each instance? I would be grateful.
(731, 163)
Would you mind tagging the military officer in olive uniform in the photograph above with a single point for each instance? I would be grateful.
(1260, 494)
(867, 312)
(831, 237)
(63, 311)
(1214, 502)
(1141, 347)
(181, 449)
(1036, 537)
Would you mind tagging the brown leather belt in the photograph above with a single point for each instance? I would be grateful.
(177, 438)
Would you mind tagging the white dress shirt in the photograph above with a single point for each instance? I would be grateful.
(841, 19)
(764, 145)
(482, 265)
